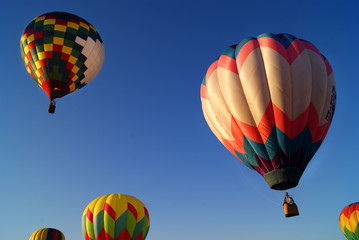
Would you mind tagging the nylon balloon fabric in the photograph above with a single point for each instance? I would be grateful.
(348, 221)
(270, 101)
(62, 52)
(115, 217)
(47, 234)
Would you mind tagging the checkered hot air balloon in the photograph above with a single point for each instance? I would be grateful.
(47, 234)
(115, 217)
(270, 101)
(348, 221)
(62, 52)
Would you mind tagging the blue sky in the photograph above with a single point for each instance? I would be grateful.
(138, 128)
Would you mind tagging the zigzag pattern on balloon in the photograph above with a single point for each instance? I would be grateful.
(109, 225)
(348, 220)
(270, 100)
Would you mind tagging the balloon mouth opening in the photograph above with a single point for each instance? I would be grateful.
(55, 89)
(283, 179)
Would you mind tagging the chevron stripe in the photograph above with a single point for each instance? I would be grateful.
(348, 221)
(210, 70)
(243, 49)
(227, 60)
(110, 211)
(104, 225)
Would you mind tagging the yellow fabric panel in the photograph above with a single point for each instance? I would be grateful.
(73, 25)
(59, 41)
(84, 25)
(302, 83)
(218, 111)
(254, 84)
(48, 47)
(40, 18)
(43, 233)
(72, 87)
(37, 73)
(279, 79)
(37, 64)
(26, 49)
(41, 55)
(23, 37)
(72, 59)
(74, 69)
(49, 21)
(350, 223)
(233, 94)
(74, 78)
(60, 28)
(118, 202)
(139, 207)
(66, 50)
(98, 205)
(30, 38)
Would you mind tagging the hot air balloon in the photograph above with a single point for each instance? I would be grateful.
(47, 234)
(270, 100)
(348, 221)
(62, 52)
(115, 216)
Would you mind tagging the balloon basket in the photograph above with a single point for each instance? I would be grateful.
(52, 107)
(290, 210)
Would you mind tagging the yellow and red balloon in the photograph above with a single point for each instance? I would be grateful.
(47, 234)
(115, 217)
(349, 221)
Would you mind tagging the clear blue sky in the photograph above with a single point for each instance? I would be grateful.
(138, 128)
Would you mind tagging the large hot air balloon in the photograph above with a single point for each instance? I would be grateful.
(62, 52)
(270, 101)
(115, 217)
(47, 234)
(348, 221)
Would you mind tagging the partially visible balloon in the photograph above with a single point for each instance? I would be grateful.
(115, 217)
(47, 234)
(348, 221)
(270, 101)
(62, 52)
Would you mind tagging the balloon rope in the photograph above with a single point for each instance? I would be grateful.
(255, 189)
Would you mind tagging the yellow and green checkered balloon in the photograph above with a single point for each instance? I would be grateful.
(47, 234)
(115, 217)
(62, 52)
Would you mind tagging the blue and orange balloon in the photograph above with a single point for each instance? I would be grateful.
(270, 100)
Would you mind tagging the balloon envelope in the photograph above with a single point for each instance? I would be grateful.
(47, 234)
(270, 101)
(62, 52)
(348, 221)
(115, 216)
